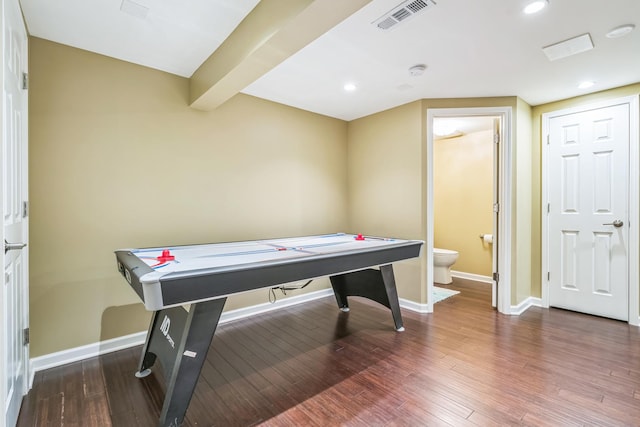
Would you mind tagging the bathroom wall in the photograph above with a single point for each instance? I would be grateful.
(463, 199)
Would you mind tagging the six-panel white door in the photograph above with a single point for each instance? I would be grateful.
(588, 229)
(13, 311)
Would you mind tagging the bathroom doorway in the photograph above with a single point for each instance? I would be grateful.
(467, 178)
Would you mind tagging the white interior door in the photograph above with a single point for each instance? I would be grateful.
(588, 212)
(14, 206)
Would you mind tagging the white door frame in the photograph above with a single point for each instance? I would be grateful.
(634, 198)
(505, 179)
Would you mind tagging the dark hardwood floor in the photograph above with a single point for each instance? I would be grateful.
(314, 365)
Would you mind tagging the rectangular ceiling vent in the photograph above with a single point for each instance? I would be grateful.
(402, 12)
(569, 47)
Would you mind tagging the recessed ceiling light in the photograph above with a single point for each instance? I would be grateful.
(349, 87)
(620, 31)
(445, 127)
(586, 84)
(535, 6)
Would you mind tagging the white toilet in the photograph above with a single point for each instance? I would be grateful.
(443, 259)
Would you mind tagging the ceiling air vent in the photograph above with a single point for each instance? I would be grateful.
(402, 12)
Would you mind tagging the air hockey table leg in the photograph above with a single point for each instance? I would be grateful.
(148, 358)
(391, 291)
(377, 285)
(181, 340)
(339, 285)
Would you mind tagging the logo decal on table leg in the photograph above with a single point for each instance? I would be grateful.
(164, 328)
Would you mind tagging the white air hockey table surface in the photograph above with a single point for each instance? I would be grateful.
(176, 275)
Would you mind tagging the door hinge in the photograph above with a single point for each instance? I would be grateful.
(496, 207)
(548, 139)
(25, 209)
(548, 276)
(496, 138)
(548, 207)
(25, 336)
(496, 277)
(25, 81)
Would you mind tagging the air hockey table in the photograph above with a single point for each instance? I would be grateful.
(186, 288)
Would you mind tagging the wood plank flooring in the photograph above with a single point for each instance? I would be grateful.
(313, 365)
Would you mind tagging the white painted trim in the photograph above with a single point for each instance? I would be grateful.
(417, 307)
(634, 199)
(429, 211)
(517, 310)
(75, 354)
(83, 352)
(505, 176)
(544, 229)
(471, 276)
(505, 172)
(634, 211)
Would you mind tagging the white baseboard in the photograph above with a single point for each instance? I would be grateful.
(241, 313)
(537, 302)
(471, 276)
(71, 355)
(414, 306)
(515, 310)
(83, 352)
(524, 305)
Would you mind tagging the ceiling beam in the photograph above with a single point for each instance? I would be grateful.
(273, 31)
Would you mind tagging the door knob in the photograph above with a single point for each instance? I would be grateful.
(617, 223)
(12, 246)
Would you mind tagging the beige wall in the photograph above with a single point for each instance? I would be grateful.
(387, 183)
(463, 199)
(118, 159)
(526, 259)
(385, 186)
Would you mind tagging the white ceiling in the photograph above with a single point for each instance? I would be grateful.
(472, 48)
(175, 36)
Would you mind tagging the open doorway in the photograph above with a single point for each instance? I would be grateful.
(494, 247)
(464, 194)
